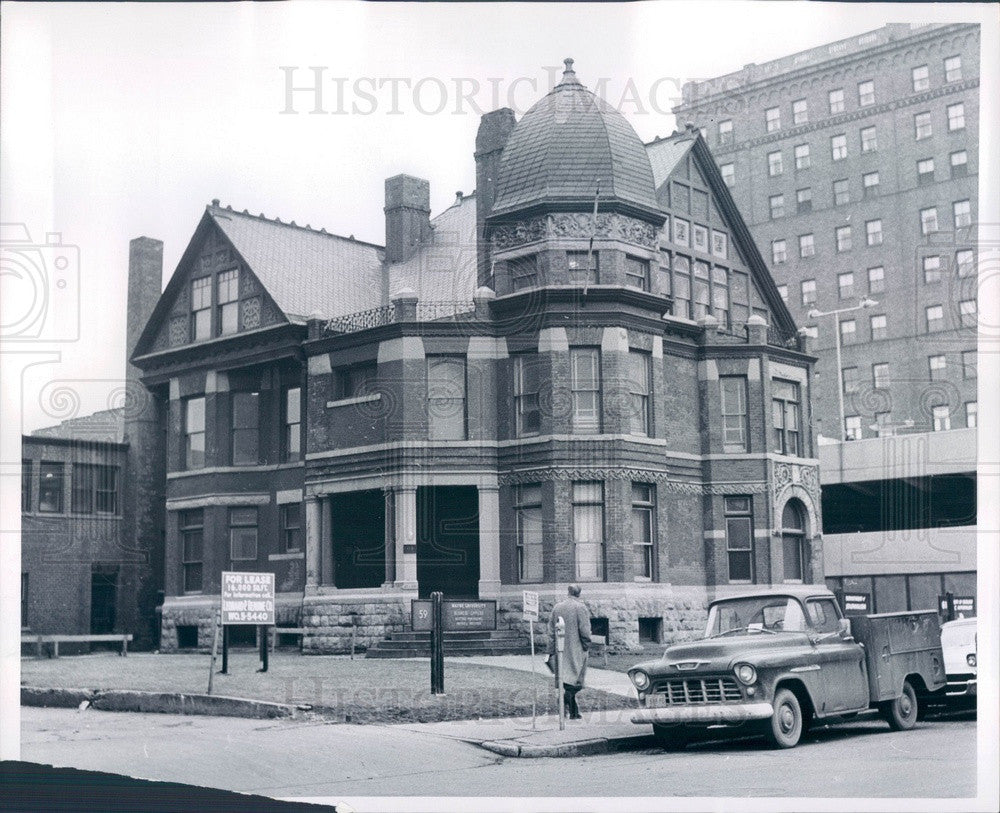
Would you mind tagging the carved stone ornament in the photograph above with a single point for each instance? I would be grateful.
(610, 226)
(662, 478)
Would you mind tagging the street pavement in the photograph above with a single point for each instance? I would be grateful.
(350, 763)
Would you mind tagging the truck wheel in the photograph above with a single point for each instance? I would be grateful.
(785, 728)
(901, 713)
(671, 737)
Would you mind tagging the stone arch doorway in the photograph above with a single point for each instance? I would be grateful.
(794, 545)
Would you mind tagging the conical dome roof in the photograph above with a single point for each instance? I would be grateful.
(566, 145)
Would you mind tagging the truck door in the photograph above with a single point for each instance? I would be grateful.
(841, 661)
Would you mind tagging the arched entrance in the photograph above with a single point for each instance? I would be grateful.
(793, 542)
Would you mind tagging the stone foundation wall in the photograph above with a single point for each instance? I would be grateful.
(201, 615)
(330, 617)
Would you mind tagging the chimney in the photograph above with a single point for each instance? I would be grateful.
(494, 130)
(407, 216)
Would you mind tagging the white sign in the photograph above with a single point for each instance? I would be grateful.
(530, 605)
(247, 598)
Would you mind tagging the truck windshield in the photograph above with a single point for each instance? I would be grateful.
(755, 614)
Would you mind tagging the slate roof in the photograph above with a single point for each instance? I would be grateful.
(303, 269)
(666, 153)
(566, 144)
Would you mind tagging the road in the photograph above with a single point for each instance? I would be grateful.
(300, 759)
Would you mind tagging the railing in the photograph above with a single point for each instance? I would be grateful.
(387, 314)
(438, 311)
(776, 337)
(362, 320)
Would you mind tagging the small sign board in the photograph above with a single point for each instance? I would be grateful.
(963, 605)
(857, 603)
(457, 616)
(530, 605)
(247, 598)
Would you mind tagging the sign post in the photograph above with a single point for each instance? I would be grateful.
(247, 599)
(531, 613)
(216, 624)
(437, 643)
(560, 647)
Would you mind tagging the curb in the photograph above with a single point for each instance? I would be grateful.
(579, 748)
(156, 702)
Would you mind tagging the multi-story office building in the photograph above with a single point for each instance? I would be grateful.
(855, 165)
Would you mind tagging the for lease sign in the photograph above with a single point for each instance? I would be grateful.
(247, 598)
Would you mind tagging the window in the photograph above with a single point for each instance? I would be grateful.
(739, 538)
(445, 398)
(838, 147)
(808, 290)
(922, 125)
(291, 526)
(726, 131)
(25, 486)
(94, 488)
(728, 175)
(777, 203)
(783, 292)
(883, 426)
(845, 285)
(959, 164)
(869, 184)
(953, 69)
(852, 427)
(969, 364)
(194, 433)
(242, 534)
(925, 171)
(934, 318)
(921, 78)
(585, 383)
(941, 416)
(637, 272)
(936, 366)
(804, 200)
(702, 298)
(50, 488)
(682, 287)
(843, 234)
(965, 262)
(880, 375)
(878, 327)
(526, 408)
(807, 245)
(800, 111)
(932, 270)
(836, 98)
(774, 165)
(971, 414)
(866, 93)
(779, 252)
(523, 272)
(228, 290)
(245, 428)
(802, 160)
(928, 220)
(291, 444)
(735, 434)
(848, 331)
(201, 308)
(841, 192)
(588, 530)
(968, 313)
(772, 118)
(869, 139)
(786, 416)
(192, 527)
(824, 615)
(356, 381)
(643, 525)
(956, 117)
(528, 517)
(849, 379)
(876, 280)
(962, 213)
(873, 232)
(582, 267)
(639, 389)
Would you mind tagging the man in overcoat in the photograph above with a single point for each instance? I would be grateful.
(574, 657)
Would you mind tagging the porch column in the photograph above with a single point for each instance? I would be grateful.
(326, 541)
(313, 537)
(406, 538)
(489, 541)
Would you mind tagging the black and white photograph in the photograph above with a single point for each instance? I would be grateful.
(494, 406)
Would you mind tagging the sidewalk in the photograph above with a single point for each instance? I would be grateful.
(603, 679)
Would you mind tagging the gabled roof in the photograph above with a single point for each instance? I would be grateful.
(666, 153)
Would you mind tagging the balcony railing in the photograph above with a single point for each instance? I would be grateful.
(405, 311)
(362, 320)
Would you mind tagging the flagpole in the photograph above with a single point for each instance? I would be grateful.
(593, 234)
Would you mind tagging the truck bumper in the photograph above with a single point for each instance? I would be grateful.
(710, 714)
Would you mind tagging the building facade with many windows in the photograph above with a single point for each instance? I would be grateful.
(875, 140)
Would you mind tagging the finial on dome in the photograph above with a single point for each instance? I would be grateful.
(569, 75)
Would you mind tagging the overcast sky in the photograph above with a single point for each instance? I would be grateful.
(125, 120)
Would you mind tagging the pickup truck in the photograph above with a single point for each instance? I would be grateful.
(778, 659)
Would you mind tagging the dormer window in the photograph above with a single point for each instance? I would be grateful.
(201, 308)
(228, 288)
(523, 272)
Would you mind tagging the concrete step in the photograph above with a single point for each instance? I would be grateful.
(380, 651)
(484, 635)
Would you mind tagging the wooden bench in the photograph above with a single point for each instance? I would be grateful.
(602, 642)
(55, 640)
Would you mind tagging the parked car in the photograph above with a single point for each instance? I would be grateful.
(778, 659)
(958, 641)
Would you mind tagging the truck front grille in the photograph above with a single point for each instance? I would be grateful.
(682, 691)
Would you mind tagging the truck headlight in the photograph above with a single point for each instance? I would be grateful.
(971, 660)
(641, 680)
(746, 673)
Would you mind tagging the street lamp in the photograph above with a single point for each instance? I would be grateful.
(865, 302)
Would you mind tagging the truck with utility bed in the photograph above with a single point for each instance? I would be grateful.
(778, 659)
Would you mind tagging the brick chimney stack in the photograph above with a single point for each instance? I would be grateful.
(494, 130)
(407, 216)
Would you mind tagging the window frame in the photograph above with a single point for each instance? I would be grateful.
(227, 284)
(772, 119)
(938, 320)
(291, 430)
(640, 394)
(923, 127)
(522, 502)
(775, 164)
(937, 367)
(583, 502)
(644, 505)
(873, 232)
(873, 286)
(251, 431)
(950, 72)
(844, 238)
(444, 428)
(515, 265)
(590, 268)
(56, 470)
(292, 535)
(869, 139)
(190, 461)
(800, 111)
(523, 396)
(642, 264)
(803, 158)
(201, 308)
(807, 245)
(811, 299)
(779, 257)
(577, 424)
(735, 515)
(958, 117)
(734, 413)
(920, 76)
(880, 375)
(866, 96)
(838, 147)
(845, 285)
(836, 104)
(191, 526)
(878, 332)
(869, 189)
(236, 525)
(785, 440)
(776, 205)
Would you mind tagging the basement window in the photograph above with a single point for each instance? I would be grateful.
(650, 630)
(187, 637)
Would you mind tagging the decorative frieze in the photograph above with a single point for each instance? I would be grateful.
(662, 478)
(609, 226)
